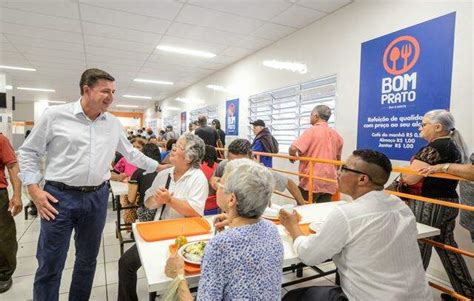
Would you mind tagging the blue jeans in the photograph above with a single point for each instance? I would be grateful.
(85, 213)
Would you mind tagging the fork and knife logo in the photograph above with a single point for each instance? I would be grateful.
(404, 48)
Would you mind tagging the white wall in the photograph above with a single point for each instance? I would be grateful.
(332, 46)
(24, 111)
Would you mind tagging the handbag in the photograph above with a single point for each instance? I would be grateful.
(398, 185)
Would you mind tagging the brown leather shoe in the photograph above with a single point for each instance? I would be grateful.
(5, 285)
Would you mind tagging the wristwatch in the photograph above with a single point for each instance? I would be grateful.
(445, 167)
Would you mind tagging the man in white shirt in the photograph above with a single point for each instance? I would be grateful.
(79, 140)
(372, 239)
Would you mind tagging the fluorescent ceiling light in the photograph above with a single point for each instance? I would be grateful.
(137, 96)
(189, 100)
(185, 51)
(217, 88)
(127, 106)
(17, 68)
(36, 89)
(291, 66)
(149, 81)
(9, 87)
(52, 101)
(172, 108)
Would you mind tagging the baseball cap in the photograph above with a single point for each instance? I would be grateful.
(258, 122)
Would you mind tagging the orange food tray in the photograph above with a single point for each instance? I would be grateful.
(188, 267)
(306, 229)
(170, 229)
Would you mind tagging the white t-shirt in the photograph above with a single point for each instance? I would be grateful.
(192, 187)
(373, 242)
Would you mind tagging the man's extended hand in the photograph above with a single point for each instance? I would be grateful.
(42, 200)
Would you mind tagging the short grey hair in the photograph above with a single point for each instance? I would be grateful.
(446, 119)
(323, 111)
(252, 184)
(194, 149)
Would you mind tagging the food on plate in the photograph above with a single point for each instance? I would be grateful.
(180, 241)
(195, 251)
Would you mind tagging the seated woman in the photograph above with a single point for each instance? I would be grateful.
(208, 166)
(140, 182)
(165, 154)
(122, 165)
(185, 197)
(244, 262)
(445, 146)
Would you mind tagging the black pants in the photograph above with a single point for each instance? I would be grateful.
(444, 218)
(318, 197)
(129, 263)
(323, 293)
(8, 243)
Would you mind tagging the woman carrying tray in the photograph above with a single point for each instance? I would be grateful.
(245, 261)
(177, 192)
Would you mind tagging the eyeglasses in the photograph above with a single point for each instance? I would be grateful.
(423, 124)
(175, 146)
(344, 168)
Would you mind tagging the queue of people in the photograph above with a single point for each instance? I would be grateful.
(372, 240)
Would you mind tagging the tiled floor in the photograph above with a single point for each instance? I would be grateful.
(105, 282)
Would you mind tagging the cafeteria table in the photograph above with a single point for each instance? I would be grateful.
(153, 255)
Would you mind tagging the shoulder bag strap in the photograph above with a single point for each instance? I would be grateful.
(167, 186)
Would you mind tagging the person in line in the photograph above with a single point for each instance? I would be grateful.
(79, 140)
(185, 197)
(264, 142)
(445, 146)
(206, 133)
(217, 125)
(466, 188)
(9, 208)
(241, 148)
(372, 240)
(153, 140)
(170, 133)
(322, 142)
(208, 166)
(244, 261)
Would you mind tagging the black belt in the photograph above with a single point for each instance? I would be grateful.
(63, 186)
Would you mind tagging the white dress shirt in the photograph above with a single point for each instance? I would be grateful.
(191, 187)
(79, 150)
(373, 242)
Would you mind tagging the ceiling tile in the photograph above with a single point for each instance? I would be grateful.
(122, 19)
(327, 6)
(217, 20)
(104, 57)
(253, 43)
(36, 32)
(117, 53)
(162, 9)
(236, 52)
(297, 16)
(121, 33)
(119, 44)
(262, 9)
(22, 41)
(66, 9)
(273, 31)
(38, 20)
(199, 33)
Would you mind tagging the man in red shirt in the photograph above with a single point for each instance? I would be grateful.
(322, 142)
(8, 209)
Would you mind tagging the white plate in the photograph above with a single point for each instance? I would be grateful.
(315, 226)
(181, 251)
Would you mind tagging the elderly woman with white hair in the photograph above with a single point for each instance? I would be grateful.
(243, 262)
(179, 191)
(445, 146)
